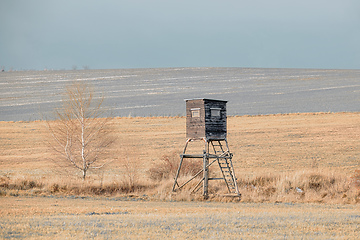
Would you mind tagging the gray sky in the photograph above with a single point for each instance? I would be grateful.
(106, 34)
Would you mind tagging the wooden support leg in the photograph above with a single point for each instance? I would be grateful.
(206, 174)
(178, 171)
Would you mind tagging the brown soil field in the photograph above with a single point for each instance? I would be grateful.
(285, 164)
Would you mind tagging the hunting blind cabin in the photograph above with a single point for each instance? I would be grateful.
(206, 121)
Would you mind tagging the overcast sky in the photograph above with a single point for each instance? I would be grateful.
(105, 34)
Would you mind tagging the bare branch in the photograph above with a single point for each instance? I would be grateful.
(80, 137)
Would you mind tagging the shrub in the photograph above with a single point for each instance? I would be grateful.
(317, 182)
(131, 175)
(168, 166)
(54, 188)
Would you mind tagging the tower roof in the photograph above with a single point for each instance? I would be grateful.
(207, 99)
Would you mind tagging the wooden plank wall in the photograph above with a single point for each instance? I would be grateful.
(215, 127)
(205, 125)
(195, 127)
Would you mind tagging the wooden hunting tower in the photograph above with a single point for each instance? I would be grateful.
(206, 120)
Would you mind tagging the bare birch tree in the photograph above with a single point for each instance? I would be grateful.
(81, 136)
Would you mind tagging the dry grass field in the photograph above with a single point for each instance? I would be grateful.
(274, 150)
(293, 171)
(118, 218)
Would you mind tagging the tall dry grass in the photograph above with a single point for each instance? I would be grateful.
(303, 187)
(61, 185)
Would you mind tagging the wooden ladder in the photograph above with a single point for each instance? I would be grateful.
(214, 151)
(224, 159)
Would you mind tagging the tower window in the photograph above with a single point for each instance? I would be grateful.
(195, 112)
(215, 112)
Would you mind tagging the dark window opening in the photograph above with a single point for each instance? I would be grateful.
(215, 112)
